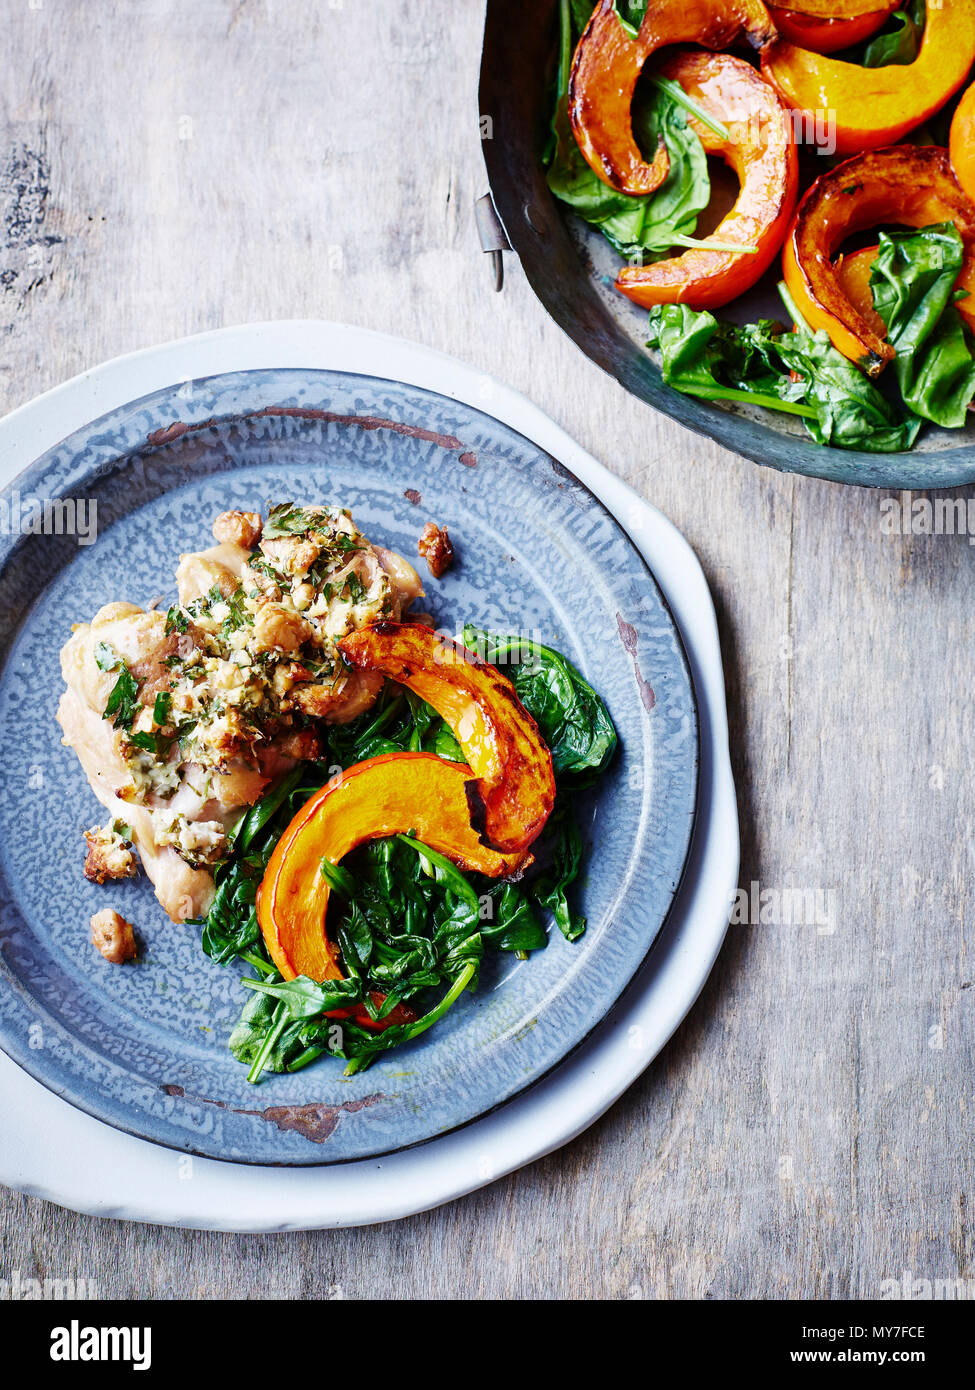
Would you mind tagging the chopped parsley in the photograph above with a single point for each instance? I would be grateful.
(338, 547)
(213, 596)
(288, 520)
(262, 566)
(106, 658)
(238, 616)
(123, 704)
(152, 743)
(161, 706)
(316, 669)
(344, 544)
(356, 588)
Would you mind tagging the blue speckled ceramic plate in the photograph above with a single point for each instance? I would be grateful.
(144, 1047)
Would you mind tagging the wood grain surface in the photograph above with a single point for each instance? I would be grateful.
(168, 167)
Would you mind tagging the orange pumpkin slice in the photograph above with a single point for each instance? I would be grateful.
(608, 62)
(906, 184)
(499, 738)
(961, 143)
(761, 151)
(878, 106)
(830, 35)
(389, 795)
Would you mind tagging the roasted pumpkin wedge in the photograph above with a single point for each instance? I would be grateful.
(608, 61)
(498, 736)
(853, 277)
(877, 106)
(812, 31)
(961, 143)
(839, 10)
(762, 153)
(389, 795)
(912, 186)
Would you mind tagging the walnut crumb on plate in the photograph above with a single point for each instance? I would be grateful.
(113, 936)
(435, 547)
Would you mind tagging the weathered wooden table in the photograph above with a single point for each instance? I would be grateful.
(169, 167)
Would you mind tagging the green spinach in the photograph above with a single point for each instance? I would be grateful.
(719, 361)
(899, 41)
(407, 921)
(571, 717)
(912, 281)
(839, 404)
(851, 413)
(563, 844)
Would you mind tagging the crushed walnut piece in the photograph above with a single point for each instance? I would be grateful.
(109, 854)
(238, 528)
(113, 936)
(434, 545)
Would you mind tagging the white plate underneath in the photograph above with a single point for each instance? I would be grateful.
(51, 1150)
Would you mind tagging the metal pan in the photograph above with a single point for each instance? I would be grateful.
(571, 269)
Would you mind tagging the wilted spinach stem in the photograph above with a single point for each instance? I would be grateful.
(278, 1024)
(413, 1030)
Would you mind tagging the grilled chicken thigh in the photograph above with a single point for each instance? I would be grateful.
(181, 719)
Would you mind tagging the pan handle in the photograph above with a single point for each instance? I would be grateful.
(493, 238)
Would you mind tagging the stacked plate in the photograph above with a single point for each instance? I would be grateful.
(155, 446)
